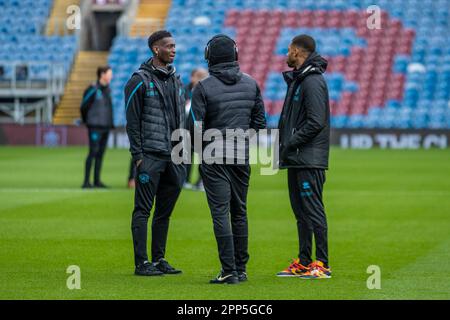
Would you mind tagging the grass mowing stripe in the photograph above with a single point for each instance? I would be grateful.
(353, 192)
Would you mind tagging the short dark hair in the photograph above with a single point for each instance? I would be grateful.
(305, 42)
(101, 70)
(156, 36)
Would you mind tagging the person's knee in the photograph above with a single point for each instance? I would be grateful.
(239, 218)
(161, 219)
(319, 225)
(141, 213)
(92, 153)
(98, 156)
(221, 222)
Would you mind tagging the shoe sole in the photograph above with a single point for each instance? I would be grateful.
(288, 275)
(314, 278)
(149, 275)
(172, 273)
(225, 282)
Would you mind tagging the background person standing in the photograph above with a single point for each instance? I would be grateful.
(196, 75)
(97, 115)
(304, 149)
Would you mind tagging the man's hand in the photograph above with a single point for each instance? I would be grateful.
(138, 163)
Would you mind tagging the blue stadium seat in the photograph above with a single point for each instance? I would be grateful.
(422, 101)
(21, 23)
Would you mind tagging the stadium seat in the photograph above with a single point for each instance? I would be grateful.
(21, 25)
(376, 78)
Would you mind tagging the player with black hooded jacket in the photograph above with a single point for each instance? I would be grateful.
(304, 131)
(154, 103)
(227, 99)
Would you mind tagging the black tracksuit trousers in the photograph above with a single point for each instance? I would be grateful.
(226, 189)
(305, 192)
(160, 181)
(98, 139)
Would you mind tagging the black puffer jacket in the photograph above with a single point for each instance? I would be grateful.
(154, 103)
(305, 120)
(228, 99)
(96, 107)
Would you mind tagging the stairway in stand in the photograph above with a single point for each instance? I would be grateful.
(83, 73)
(150, 16)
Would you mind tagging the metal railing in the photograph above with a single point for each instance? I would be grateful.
(19, 82)
(18, 77)
(25, 112)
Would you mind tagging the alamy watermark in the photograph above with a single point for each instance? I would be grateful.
(374, 280)
(74, 280)
(374, 20)
(228, 146)
(73, 21)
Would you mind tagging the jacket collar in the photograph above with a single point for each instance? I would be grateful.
(315, 63)
(162, 73)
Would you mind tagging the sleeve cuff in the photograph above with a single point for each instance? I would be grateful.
(137, 157)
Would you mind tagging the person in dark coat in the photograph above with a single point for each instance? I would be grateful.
(154, 104)
(227, 100)
(304, 132)
(97, 115)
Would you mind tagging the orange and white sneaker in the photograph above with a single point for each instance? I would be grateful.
(295, 269)
(317, 270)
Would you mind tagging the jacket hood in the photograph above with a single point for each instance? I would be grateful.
(160, 72)
(227, 72)
(315, 63)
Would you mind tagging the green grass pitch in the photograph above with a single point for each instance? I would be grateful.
(385, 208)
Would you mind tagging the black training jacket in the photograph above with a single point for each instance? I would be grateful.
(96, 107)
(305, 120)
(154, 104)
(228, 99)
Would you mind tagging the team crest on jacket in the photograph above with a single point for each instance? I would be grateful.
(151, 92)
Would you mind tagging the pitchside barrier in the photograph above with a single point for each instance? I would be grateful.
(54, 136)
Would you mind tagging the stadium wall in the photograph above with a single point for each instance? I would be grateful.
(49, 135)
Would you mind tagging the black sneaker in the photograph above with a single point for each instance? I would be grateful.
(86, 185)
(242, 276)
(100, 185)
(163, 266)
(226, 277)
(147, 269)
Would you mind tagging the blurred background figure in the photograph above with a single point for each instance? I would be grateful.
(97, 115)
(196, 75)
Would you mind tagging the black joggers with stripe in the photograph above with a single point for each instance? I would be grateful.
(98, 139)
(305, 192)
(226, 189)
(160, 181)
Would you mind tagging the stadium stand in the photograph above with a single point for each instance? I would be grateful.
(395, 77)
(34, 65)
(21, 25)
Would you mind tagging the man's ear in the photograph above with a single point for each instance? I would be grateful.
(303, 53)
(296, 50)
